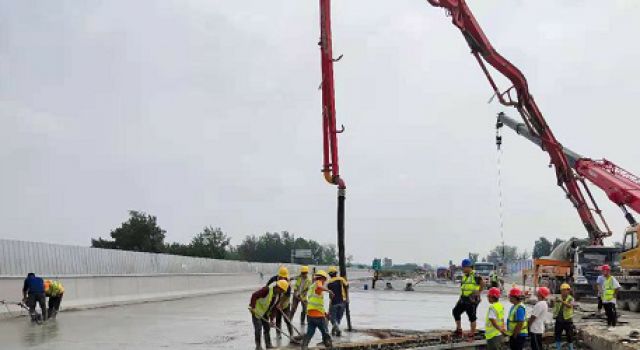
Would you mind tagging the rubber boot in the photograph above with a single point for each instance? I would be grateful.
(267, 341)
(305, 344)
(558, 345)
(258, 346)
(327, 343)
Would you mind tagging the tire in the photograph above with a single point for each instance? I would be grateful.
(634, 303)
(620, 303)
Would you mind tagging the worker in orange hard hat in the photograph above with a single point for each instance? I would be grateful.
(517, 320)
(301, 284)
(536, 320)
(284, 304)
(563, 314)
(608, 287)
(494, 323)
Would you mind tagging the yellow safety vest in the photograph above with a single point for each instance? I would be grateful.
(343, 284)
(53, 288)
(567, 312)
(609, 289)
(302, 287)
(469, 284)
(512, 321)
(315, 301)
(262, 304)
(490, 331)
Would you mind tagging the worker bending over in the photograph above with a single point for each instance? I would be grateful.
(263, 306)
(608, 287)
(33, 293)
(563, 315)
(300, 290)
(284, 305)
(316, 314)
(517, 321)
(494, 323)
(536, 321)
(54, 290)
(340, 288)
(469, 298)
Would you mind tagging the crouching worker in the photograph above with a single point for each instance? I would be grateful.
(32, 294)
(494, 324)
(517, 322)
(54, 290)
(263, 307)
(316, 312)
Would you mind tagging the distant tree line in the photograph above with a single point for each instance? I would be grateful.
(141, 233)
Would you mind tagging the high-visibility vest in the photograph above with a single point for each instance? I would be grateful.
(343, 284)
(285, 300)
(609, 290)
(489, 330)
(567, 312)
(53, 288)
(302, 286)
(262, 304)
(511, 326)
(315, 301)
(469, 284)
(494, 277)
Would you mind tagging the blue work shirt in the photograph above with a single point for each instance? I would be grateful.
(33, 285)
(521, 316)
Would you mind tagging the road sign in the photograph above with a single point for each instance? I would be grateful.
(302, 254)
(376, 264)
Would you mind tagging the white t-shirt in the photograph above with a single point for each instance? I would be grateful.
(540, 311)
(600, 281)
(492, 314)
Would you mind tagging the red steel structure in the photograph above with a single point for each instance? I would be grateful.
(481, 49)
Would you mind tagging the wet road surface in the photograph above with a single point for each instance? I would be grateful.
(219, 321)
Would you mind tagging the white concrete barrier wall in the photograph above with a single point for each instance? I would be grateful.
(99, 277)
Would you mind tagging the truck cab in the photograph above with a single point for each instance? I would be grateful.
(586, 267)
(630, 256)
(484, 270)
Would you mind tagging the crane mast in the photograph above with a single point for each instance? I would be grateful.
(519, 97)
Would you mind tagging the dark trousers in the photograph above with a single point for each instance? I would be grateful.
(336, 311)
(259, 327)
(279, 316)
(294, 307)
(612, 314)
(54, 305)
(40, 299)
(536, 341)
(599, 303)
(517, 342)
(465, 305)
(319, 323)
(563, 326)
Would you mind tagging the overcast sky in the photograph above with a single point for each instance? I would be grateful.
(208, 113)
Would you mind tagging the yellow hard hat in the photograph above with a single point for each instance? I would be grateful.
(282, 284)
(332, 269)
(304, 269)
(283, 272)
(322, 273)
(565, 286)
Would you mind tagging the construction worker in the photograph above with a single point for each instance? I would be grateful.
(33, 293)
(263, 306)
(316, 314)
(340, 288)
(517, 320)
(284, 306)
(536, 321)
(470, 288)
(608, 287)
(494, 323)
(563, 315)
(300, 290)
(494, 279)
(54, 290)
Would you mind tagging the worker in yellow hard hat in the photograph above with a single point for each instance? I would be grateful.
(262, 307)
(284, 304)
(563, 314)
(340, 288)
(301, 284)
(316, 311)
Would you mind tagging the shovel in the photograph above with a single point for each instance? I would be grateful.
(300, 336)
(297, 341)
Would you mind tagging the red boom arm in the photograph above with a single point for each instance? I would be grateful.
(481, 48)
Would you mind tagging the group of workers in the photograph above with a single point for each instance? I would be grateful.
(519, 328)
(282, 295)
(36, 290)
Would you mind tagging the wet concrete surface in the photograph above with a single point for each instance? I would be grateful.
(221, 321)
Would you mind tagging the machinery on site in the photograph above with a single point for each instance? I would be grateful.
(484, 270)
(572, 170)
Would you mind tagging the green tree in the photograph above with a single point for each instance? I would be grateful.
(510, 254)
(210, 243)
(140, 233)
(542, 247)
